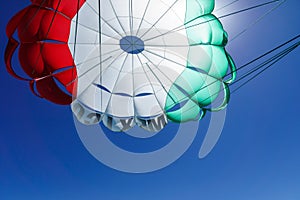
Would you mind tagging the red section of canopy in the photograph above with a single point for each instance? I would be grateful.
(43, 30)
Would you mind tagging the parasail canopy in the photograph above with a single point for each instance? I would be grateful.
(124, 62)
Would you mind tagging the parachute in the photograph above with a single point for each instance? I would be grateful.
(125, 63)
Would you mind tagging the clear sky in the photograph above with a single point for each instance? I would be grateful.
(257, 156)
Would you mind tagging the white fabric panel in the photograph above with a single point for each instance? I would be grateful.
(120, 106)
(109, 78)
(127, 64)
(138, 83)
(84, 34)
(166, 71)
(161, 95)
(89, 71)
(111, 28)
(178, 9)
(153, 125)
(151, 59)
(124, 84)
(155, 7)
(139, 8)
(147, 106)
(85, 115)
(142, 84)
(95, 98)
(122, 10)
(82, 51)
(118, 124)
(88, 16)
(107, 16)
(170, 20)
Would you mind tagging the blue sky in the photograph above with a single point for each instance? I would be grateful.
(257, 156)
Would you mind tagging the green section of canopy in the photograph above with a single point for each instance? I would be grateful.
(207, 64)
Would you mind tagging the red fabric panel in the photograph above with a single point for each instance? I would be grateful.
(28, 28)
(60, 28)
(67, 78)
(35, 26)
(12, 43)
(56, 56)
(48, 89)
(44, 54)
(31, 60)
(68, 7)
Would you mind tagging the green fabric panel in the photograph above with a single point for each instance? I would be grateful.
(196, 8)
(190, 80)
(220, 63)
(211, 59)
(207, 64)
(188, 112)
(206, 30)
(174, 96)
(208, 92)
